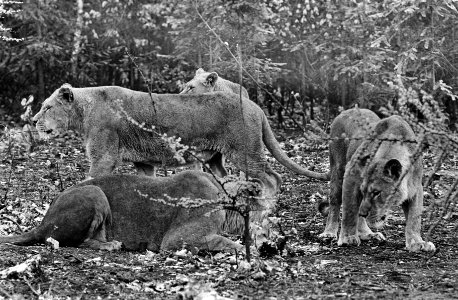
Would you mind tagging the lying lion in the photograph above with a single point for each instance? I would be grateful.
(372, 169)
(211, 122)
(206, 82)
(134, 211)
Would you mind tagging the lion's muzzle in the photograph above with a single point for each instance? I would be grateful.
(365, 207)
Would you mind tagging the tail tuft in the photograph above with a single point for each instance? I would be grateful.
(323, 207)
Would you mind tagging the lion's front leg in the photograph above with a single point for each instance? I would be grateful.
(365, 233)
(350, 214)
(103, 151)
(412, 211)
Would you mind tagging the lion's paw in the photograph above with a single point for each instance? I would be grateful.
(328, 236)
(373, 236)
(349, 240)
(421, 246)
(111, 246)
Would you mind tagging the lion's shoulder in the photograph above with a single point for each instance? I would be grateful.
(394, 126)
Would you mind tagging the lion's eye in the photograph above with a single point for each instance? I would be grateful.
(47, 108)
(375, 193)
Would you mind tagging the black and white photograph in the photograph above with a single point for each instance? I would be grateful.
(228, 150)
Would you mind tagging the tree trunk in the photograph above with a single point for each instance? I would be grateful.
(303, 89)
(40, 70)
(40, 79)
(312, 115)
(77, 39)
(343, 91)
(199, 57)
(210, 50)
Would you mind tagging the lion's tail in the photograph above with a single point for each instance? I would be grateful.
(274, 148)
(323, 207)
(25, 239)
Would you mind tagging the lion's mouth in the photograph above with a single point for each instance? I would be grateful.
(376, 221)
(45, 134)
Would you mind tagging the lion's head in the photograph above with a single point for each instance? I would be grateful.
(55, 113)
(382, 190)
(203, 82)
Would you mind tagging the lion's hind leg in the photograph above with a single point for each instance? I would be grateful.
(337, 162)
(216, 164)
(96, 237)
(333, 210)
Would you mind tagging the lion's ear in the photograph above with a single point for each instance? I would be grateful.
(200, 71)
(212, 78)
(363, 160)
(66, 93)
(393, 169)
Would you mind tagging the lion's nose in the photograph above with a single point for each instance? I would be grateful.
(363, 215)
(34, 122)
(383, 218)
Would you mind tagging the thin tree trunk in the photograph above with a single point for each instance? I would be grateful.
(210, 63)
(40, 70)
(40, 79)
(77, 39)
(343, 93)
(304, 90)
(199, 57)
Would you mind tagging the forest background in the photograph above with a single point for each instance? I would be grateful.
(303, 61)
(301, 58)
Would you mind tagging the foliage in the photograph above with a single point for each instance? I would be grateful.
(318, 50)
(5, 32)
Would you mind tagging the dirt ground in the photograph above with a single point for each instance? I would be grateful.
(306, 269)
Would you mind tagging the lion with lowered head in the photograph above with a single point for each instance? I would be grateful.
(206, 82)
(211, 122)
(143, 212)
(373, 167)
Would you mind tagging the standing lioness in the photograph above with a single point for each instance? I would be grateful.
(374, 165)
(211, 122)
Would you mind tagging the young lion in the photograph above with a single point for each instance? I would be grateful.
(141, 212)
(373, 168)
(206, 82)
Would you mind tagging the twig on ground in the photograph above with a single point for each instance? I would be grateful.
(36, 292)
(7, 295)
(11, 220)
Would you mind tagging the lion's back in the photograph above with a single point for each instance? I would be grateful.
(229, 86)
